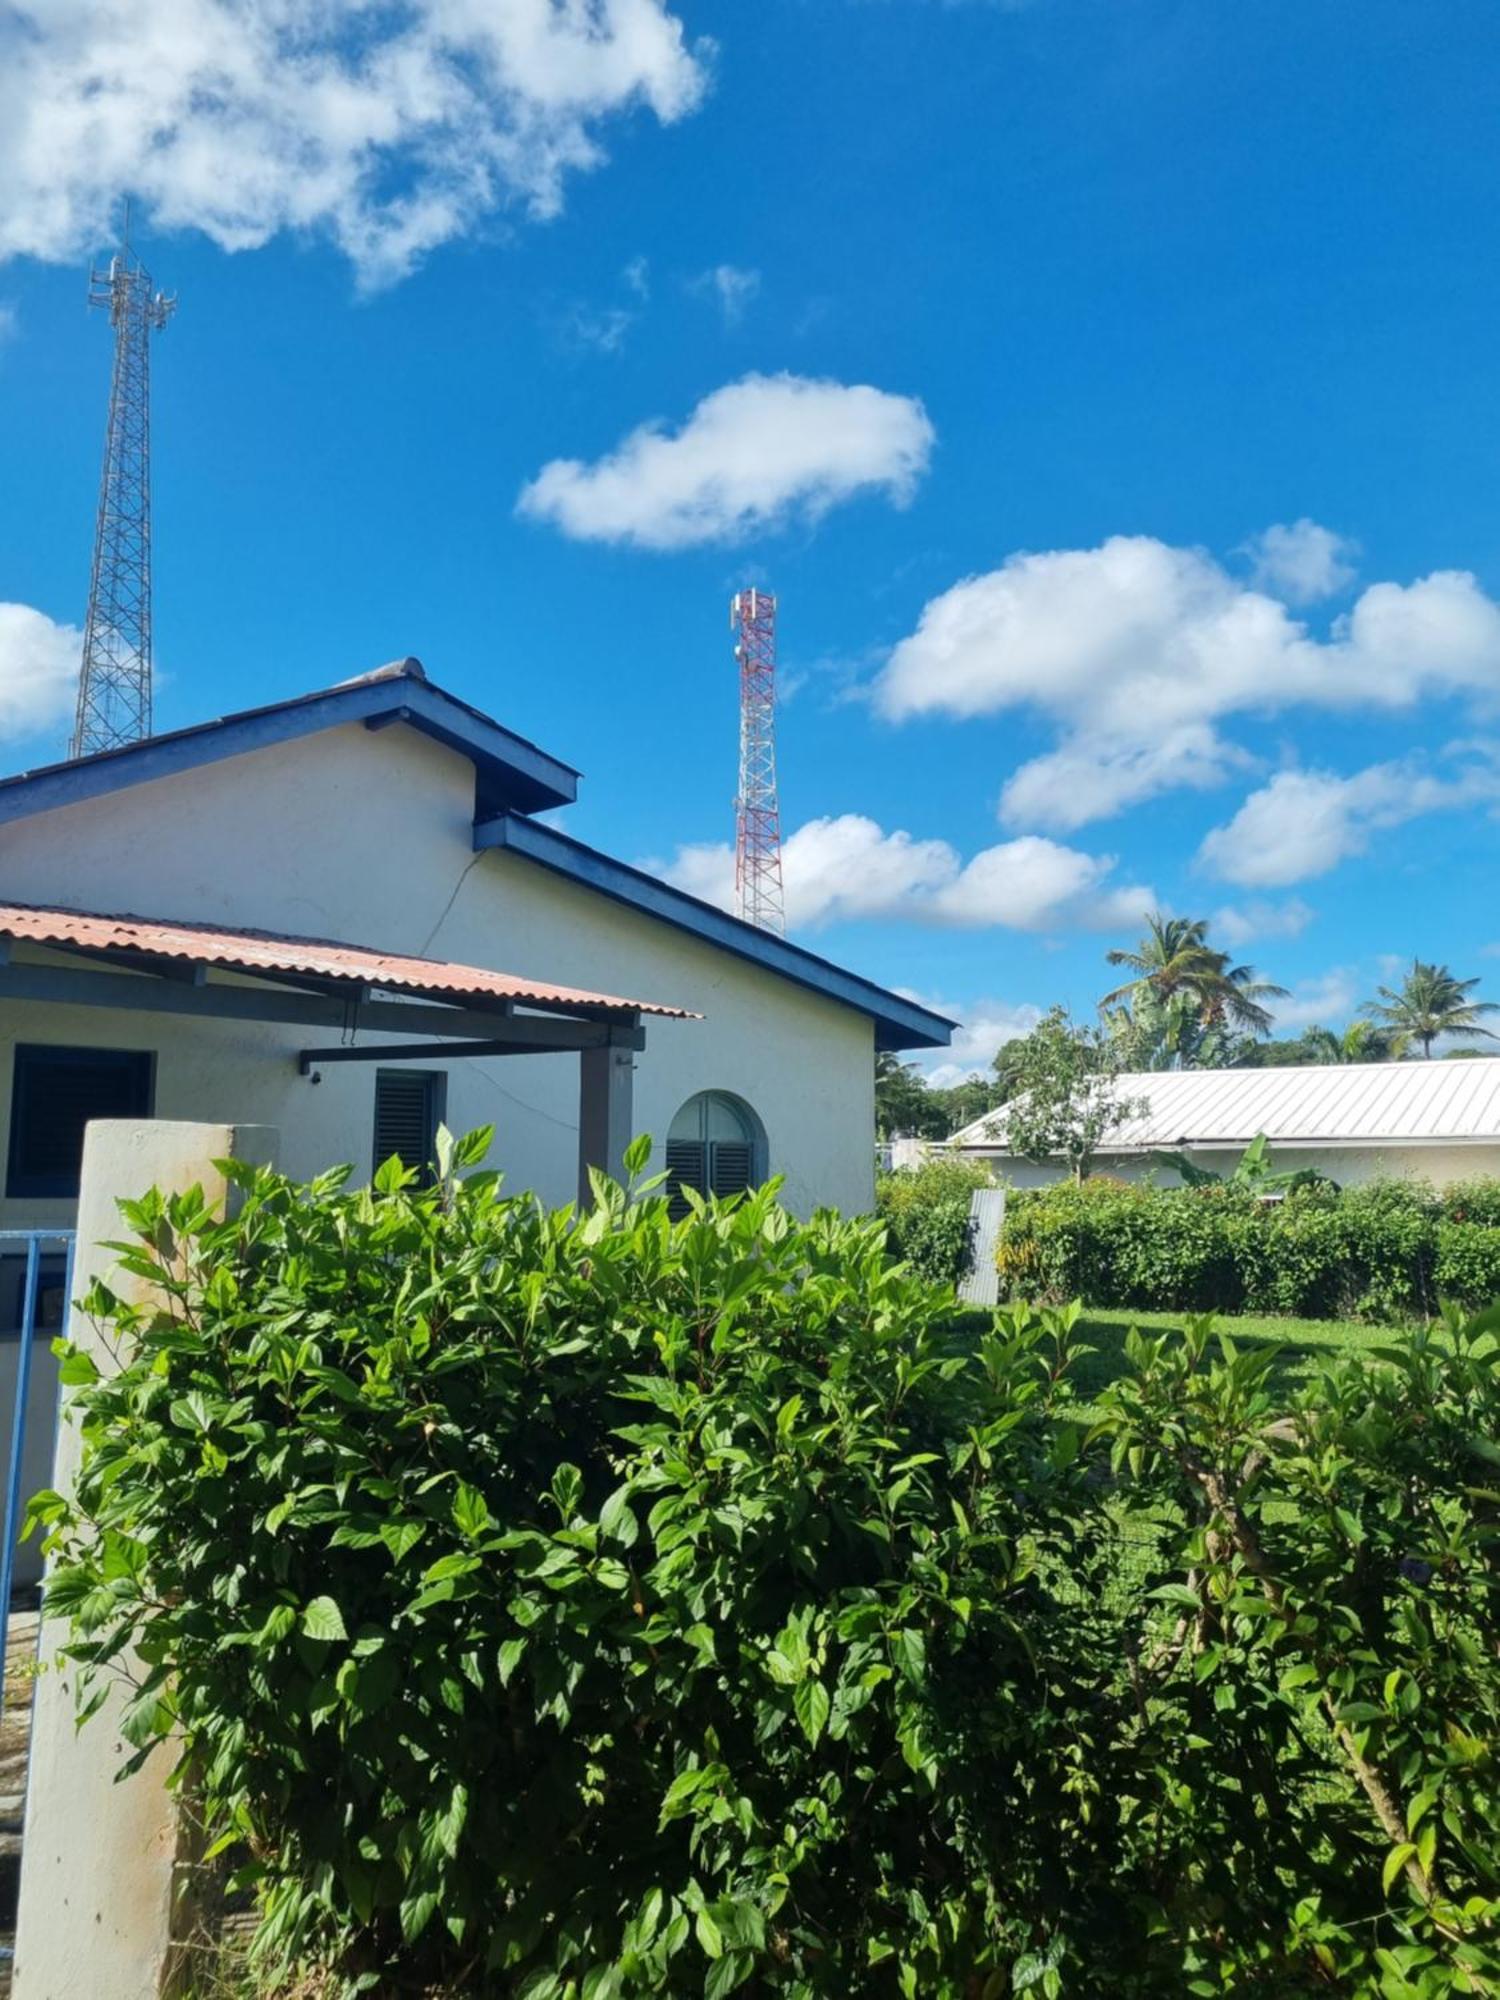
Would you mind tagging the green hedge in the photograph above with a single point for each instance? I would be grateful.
(1386, 1250)
(551, 1607)
(926, 1214)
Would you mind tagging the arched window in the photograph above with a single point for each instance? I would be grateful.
(715, 1144)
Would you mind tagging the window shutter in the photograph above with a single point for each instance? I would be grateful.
(733, 1166)
(56, 1092)
(686, 1167)
(406, 1116)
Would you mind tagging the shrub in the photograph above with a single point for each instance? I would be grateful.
(567, 1608)
(1372, 1251)
(1468, 1262)
(1476, 1200)
(552, 1604)
(926, 1213)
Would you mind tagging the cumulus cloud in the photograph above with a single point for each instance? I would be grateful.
(751, 456)
(1137, 652)
(849, 867)
(390, 128)
(1301, 561)
(732, 285)
(984, 1026)
(1239, 924)
(1324, 1002)
(38, 670)
(1304, 823)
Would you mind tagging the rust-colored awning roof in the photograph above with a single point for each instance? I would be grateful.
(267, 954)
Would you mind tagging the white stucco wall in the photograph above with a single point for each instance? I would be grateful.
(365, 836)
(1439, 1165)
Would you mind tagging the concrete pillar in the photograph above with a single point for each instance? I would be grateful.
(97, 1860)
(606, 1090)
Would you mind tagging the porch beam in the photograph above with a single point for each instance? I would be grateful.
(61, 986)
(582, 1038)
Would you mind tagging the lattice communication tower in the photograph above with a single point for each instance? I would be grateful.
(757, 831)
(114, 687)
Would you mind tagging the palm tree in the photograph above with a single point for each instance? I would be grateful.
(1361, 1042)
(1428, 1003)
(1175, 957)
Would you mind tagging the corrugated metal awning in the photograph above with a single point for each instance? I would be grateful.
(130, 939)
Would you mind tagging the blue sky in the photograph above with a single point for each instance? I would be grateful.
(993, 338)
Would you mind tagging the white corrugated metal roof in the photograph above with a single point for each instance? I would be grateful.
(1336, 1104)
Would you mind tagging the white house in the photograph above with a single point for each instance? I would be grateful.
(343, 916)
(1439, 1120)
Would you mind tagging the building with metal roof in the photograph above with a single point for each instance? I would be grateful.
(341, 916)
(1438, 1119)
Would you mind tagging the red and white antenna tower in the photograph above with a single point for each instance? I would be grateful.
(757, 816)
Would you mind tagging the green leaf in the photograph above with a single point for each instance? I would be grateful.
(911, 1655)
(727, 1973)
(710, 1937)
(810, 1701)
(417, 1912)
(471, 1514)
(567, 1491)
(401, 1537)
(510, 1658)
(1395, 1862)
(322, 1619)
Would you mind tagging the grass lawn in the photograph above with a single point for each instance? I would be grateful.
(1305, 1341)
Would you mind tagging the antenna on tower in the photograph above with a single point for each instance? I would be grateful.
(757, 816)
(114, 687)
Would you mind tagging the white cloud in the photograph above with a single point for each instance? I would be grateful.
(733, 286)
(39, 662)
(849, 867)
(1324, 1002)
(1303, 823)
(602, 328)
(751, 456)
(1301, 562)
(390, 128)
(1137, 651)
(984, 1026)
(637, 277)
(1239, 924)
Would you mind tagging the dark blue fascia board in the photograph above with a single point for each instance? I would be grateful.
(507, 767)
(899, 1023)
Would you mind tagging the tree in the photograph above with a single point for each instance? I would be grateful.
(962, 1102)
(1172, 1033)
(904, 1106)
(1361, 1042)
(1175, 957)
(1069, 1092)
(1429, 1003)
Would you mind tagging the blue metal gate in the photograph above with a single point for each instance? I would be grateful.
(36, 1275)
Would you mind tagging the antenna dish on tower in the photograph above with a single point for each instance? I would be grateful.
(757, 816)
(114, 686)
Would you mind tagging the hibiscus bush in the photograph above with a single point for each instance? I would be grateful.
(569, 1606)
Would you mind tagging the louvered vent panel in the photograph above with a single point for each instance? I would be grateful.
(733, 1166)
(57, 1092)
(686, 1167)
(403, 1117)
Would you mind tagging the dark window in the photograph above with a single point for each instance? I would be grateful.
(54, 1094)
(713, 1147)
(409, 1105)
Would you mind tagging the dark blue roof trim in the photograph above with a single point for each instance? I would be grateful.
(899, 1024)
(510, 772)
